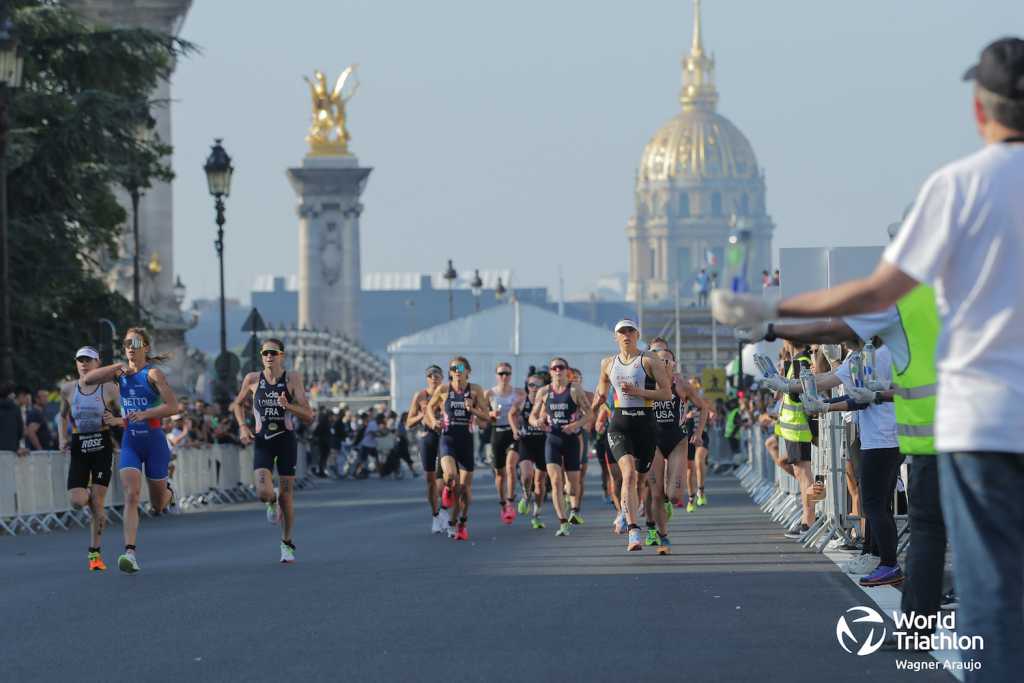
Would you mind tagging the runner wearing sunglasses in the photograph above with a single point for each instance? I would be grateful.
(638, 380)
(459, 401)
(428, 439)
(504, 437)
(561, 410)
(532, 468)
(90, 445)
(146, 399)
(278, 399)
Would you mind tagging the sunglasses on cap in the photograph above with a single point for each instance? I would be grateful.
(504, 373)
(557, 367)
(459, 367)
(534, 385)
(270, 352)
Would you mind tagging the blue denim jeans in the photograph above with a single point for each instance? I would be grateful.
(983, 505)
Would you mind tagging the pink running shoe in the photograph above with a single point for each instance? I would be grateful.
(462, 534)
(446, 497)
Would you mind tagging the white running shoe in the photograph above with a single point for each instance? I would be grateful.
(127, 563)
(273, 513)
(450, 530)
(620, 525)
(287, 553)
(863, 564)
(437, 524)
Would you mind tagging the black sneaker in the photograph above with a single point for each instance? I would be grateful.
(798, 532)
(949, 600)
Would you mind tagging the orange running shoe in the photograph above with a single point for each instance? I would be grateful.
(96, 563)
(446, 497)
(462, 534)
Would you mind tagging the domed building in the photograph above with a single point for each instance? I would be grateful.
(698, 179)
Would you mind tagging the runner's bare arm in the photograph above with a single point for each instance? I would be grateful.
(436, 401)
(479, 405)
(107, 373)
(603, 384)
(539, 412)
(300, 406)
(580, 397)
(236, 406)
(415, 415)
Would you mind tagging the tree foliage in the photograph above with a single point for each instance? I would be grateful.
(75, 136)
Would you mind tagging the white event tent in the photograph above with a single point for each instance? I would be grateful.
(517, 333)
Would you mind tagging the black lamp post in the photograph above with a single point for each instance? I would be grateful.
(450, 276)
(135, 192)
(10, 78)
(477, 287)
(218, 177)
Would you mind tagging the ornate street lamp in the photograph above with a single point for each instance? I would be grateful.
(10, 78)
(179, 291)
(218, 177)
(450, 276)
(477, 287)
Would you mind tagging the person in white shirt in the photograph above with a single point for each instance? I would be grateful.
(965, 238)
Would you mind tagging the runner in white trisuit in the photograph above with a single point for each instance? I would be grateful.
(500, 398)
(429, 441)
(85, 436)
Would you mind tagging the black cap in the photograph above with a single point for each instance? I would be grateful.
(1001, 68)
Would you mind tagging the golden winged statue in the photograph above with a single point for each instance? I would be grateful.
(328, 134)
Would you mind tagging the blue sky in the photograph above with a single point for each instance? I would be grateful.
(508, 134)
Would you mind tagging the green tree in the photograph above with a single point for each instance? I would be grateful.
(75, 125)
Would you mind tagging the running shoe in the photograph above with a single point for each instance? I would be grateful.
(273, 513)
(883, 576)
(668, 510)
(523, 506)
(450, 530)
(690, 507)
(635, 541)
(96, 563)
(462, 534)
(536, 523)
(172, 506)
(862, 564)
(664, 546)
(652, 536)
(437, 524)
(797, 532)
(620, 526)
(563, 529)
(949, 600)
(446, 497)
(679, 504)
(701, 500)
(576, 517)
(287, 553)
(510, 513)
(127, 563)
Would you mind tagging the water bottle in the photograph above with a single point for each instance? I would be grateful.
(737, 261)
(832, 352)
(869, 362)
(807, 382)
(857, 369)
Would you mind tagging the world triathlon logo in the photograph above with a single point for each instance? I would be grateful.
(860, 632)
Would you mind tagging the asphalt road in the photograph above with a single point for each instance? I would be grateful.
(374, 596)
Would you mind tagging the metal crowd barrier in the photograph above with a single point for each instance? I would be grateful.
(778, 494)
(34, 498)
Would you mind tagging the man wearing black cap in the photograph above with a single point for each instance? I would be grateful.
(964, 236)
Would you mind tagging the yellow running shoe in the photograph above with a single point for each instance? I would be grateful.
(690, 507)
(701, 500)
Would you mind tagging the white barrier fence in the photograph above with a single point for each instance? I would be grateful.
(33, 488)
(778, 493)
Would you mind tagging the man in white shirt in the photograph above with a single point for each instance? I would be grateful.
(965, 237)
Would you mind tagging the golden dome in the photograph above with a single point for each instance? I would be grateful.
(698, 144)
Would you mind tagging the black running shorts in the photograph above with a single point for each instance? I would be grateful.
(459, 445)
(92, 457)
(668, 439)
(428, 443)
(531, 447)
(502, 442)
(280, 450)
(563, 450)
(633, 431)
